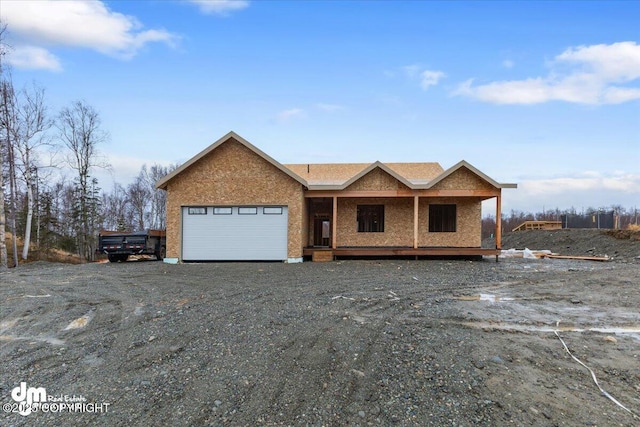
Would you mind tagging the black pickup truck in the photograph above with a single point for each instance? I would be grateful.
(118, 245)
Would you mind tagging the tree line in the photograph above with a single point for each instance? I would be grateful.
(50, 196)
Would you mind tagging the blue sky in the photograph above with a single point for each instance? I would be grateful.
(542, 94)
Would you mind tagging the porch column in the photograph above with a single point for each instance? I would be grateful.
(415, 222)
(499, 221)
(334, 223)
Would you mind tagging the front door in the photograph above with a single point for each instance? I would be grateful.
(322, 231)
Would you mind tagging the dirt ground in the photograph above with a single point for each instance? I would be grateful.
(619, 245)
(366, 342)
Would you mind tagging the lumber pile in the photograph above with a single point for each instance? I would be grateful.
(577, 257)
(537, 254)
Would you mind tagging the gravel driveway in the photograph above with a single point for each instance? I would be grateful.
(389, 342)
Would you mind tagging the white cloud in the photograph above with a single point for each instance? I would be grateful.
(584, 75)
(618, 62)
(290, 114)
(531, 91)
(430, 78)
(588, 189)
(628, 183)
(507, 63)
(81, 23)
(220, 7)
(426, 77)
(33, 57)
(617, 95)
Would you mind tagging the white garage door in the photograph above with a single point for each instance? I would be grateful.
(217, 233)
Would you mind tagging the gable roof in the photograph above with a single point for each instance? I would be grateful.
(370, 168)
(162, 183)
(338, 176)
(463, 164)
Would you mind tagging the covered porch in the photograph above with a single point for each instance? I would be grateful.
(408, 227)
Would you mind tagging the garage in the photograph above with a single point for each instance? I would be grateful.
(234, 233)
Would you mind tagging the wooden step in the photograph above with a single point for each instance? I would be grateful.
(322, 255)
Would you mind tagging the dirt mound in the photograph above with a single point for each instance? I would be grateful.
(621, 245)
(624, 234)
(50, 255)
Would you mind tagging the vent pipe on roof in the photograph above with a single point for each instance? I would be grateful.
(308, 166)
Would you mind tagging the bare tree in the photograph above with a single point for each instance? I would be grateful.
(139, 196)
(158, 197)
(5, 138)
(31, 123)
(115, 213)
(147, 202)
(80, 132)
(8, 125)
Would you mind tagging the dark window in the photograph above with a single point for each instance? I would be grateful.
(197, 211)
(442, 218)
(370, 218)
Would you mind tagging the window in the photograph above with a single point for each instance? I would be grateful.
(442, 218)
(198, 211)
(247, 211)
(272, 211)
(222, 211)
(370, 218)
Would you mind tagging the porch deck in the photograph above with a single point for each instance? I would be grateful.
(403, 251)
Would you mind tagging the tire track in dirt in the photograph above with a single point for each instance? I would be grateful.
(358, 342)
